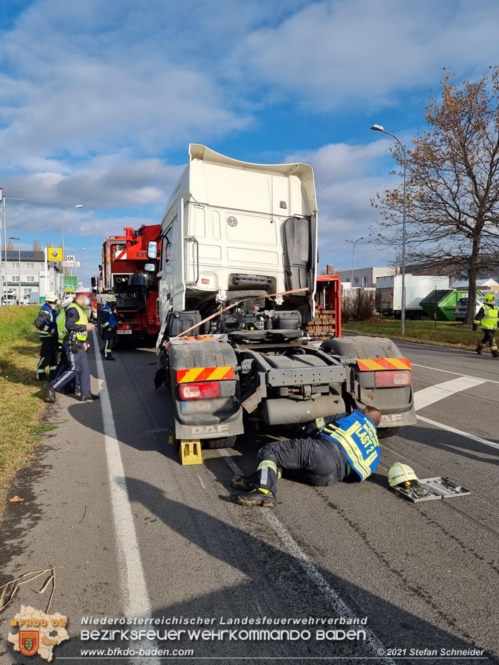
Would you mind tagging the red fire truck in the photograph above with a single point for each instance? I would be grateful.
(128, 274)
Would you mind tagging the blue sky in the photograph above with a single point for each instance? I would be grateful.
(100, 98)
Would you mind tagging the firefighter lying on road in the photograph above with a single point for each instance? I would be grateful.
(345, 448)
(487, 320)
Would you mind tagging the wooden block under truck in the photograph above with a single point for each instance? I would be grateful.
(237, 287)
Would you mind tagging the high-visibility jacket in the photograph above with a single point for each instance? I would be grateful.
(108, 317)
(82, 321)
(357, 437)
(46, 321)
(487, 317)
(61, 327)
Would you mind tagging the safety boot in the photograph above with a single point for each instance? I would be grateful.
(49, 393)
(479, 349)
(245, 483)
(495, 353)
(88, 398)
(257, 497)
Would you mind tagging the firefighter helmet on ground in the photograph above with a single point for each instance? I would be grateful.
(400, 473)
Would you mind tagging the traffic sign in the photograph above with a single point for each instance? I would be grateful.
(70, 264)
(70, 284)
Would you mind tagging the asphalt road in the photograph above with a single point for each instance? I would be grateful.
(132, 532)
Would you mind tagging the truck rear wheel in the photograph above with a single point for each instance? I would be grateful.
(222, 442)
(387, 432)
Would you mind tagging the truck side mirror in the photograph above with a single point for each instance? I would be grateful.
(152, 250)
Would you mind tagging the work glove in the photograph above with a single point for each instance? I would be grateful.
(475, 327)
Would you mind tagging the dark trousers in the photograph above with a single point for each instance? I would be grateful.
(77, 370)
(489, 338)
(63, 366)
(312, 461)
(110, 336)
(48, 357)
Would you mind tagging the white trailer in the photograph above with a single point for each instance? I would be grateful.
(417, 287)
(237, 279)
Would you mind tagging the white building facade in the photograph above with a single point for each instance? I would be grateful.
(25, 276)
(364, 278)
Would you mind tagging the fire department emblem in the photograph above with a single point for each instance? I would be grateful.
(29, 642)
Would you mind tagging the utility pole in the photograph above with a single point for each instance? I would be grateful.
(353, 242)
(379, 128)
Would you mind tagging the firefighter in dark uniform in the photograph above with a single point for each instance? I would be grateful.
(46, 323)
(109, 326)
(487, 320)
(346, 448)
(75, 347)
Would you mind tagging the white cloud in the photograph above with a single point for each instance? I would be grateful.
(334, 53)
(347, 179)
(116, 181)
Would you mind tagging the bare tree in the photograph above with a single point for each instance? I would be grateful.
(452, 182)
(37, 247)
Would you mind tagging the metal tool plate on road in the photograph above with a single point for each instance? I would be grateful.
(431, 489)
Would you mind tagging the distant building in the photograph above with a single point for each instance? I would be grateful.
(30, 276)
(483, 284)
(364, 277)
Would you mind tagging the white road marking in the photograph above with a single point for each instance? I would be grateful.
(201, 481)
(428, 396)
(478, 439)
(373, 645)
(446, 371)
(131, 572)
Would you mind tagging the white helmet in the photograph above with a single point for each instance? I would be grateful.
(51, 297)
(66, 302)
(82, 291)
(400, 473)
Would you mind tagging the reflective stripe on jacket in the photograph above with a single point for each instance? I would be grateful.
(357, 437)
(50, 320)
(82, 321)
(488, 320)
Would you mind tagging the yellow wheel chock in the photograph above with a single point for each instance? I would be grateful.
(190, 452)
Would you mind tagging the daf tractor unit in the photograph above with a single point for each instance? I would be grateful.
(237, 281)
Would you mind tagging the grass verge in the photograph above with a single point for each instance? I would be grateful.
(441, 333)
(20, 405)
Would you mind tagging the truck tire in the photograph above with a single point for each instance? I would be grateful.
(222, 442)
(387, 432)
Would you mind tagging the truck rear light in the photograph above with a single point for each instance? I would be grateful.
(392, 379)
(204, 390)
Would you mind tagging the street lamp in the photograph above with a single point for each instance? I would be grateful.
(78, 205)
(353, 242)
(19, 247)
(379, 128)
